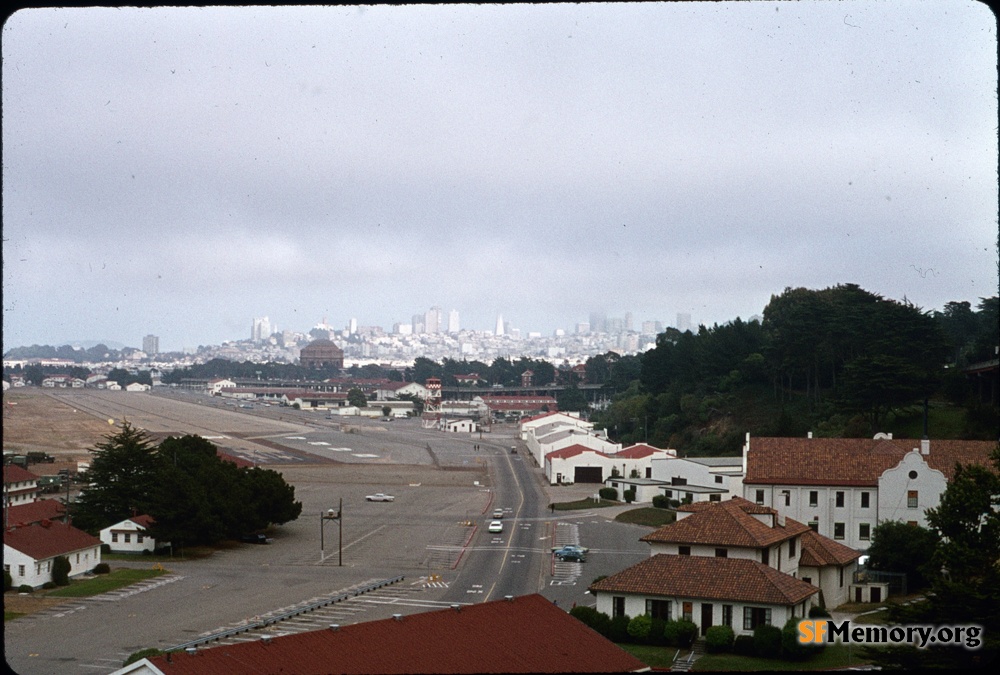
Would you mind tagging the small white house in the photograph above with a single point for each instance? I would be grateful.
(459, 426)
(129, 536)
(28, 552)
(137, 386)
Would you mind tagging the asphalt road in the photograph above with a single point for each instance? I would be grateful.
(434, 534)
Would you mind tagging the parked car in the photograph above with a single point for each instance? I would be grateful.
(379, 497)
(498, 513)
(571, 553)
(496, 526)
(255, 539)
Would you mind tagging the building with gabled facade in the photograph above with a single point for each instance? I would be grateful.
(844, 487)
(130, 535)
(29, 551)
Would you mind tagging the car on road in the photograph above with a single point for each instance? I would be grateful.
(379, 497)
(496, 526)
(498, 514)
(570, 553)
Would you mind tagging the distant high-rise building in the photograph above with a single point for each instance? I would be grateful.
(417, 321)
(500, 325)
(453, 326)
(151, 345)
(402, 329)
(582, 328)
(261, 329)
(628, 322)
(683, 322)
(353, 326)
(433, 320)
(598, 322)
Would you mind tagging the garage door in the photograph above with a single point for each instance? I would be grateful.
(587, 474)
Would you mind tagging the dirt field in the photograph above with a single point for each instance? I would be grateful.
(32, 420)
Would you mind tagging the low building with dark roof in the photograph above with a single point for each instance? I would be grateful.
(321, 353)
(708, 591)
(528, 634)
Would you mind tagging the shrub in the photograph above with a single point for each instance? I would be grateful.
(105, 548)
(102, 568)
(719, 639)
(618, 629)
(767, 641)
(608, 493)
(639, 627)
(142, 654)
(791, 648)
(661, 501)
(743, 645)
(49, 585)
(599, 621)
(817, 612)
(60, 570)
(681, 633)
(146, 551)
(629, 496)
(25, 588)
(658, 632)
(8, 581)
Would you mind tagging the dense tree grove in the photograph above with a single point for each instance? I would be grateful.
(839, 362)
(193, 495)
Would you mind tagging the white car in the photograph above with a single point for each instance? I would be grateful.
(498, 514)
(496, 526)
(379, 497)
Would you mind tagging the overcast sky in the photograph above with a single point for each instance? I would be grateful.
(180, 171)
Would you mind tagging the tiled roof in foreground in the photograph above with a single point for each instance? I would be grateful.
(527, 634)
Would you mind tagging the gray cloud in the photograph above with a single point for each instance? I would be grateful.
(181, 170)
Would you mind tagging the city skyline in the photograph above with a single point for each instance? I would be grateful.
(182, 170)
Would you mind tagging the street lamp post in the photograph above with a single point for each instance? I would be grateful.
(332, 515)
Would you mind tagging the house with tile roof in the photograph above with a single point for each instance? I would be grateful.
(844, 487)
(527, 634)
(28, 552)
(736, 592)
(130, 535)
(778, 555)
(20, 486)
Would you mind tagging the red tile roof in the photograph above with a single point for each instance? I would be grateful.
(728, 523)
(709, 578)
(48, 539)
(638, 451)
(820, 551)
(144, 520)
(572, 451)
(524, 635)
(849, 461)
(34, 512)
(12, 473)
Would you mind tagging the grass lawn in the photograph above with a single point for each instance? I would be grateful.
(10, 616)
(649, 515)
(654, 657)
(585, 504)
(102, 583)
(834, 656)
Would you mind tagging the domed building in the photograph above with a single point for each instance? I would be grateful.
(321, 354)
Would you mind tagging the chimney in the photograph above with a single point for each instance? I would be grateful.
(509, 598)
(334, 627)
(925, 446)
(266, 639)
(397, 617)
(809, 435)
